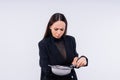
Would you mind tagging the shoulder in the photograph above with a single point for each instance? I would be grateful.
(44, 42)
(69, 37)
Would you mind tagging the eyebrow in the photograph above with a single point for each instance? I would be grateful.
(59, 28)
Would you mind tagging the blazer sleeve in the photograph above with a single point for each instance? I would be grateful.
(76, 54)
(74, 47)
(44, 61)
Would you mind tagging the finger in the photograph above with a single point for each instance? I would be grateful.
(81, 62)
(75, 61)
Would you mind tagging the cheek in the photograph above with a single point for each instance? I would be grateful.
(62, 32)
(53, 32)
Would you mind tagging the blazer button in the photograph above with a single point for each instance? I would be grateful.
(72, 77)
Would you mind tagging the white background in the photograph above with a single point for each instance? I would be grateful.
(94, 24)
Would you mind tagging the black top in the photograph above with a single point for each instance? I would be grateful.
(54, 51)
(60, 46)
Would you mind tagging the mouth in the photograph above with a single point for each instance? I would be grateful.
(58, 36)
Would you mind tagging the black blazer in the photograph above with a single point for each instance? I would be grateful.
(49, 55)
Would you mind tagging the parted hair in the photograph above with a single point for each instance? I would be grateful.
(55, 17)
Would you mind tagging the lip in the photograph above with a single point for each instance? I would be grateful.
(58, 37)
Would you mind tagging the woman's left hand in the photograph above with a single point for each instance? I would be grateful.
(81, 62)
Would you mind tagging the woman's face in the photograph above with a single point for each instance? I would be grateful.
(58, 29)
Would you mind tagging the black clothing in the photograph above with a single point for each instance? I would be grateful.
(61, 46)
(57, 52)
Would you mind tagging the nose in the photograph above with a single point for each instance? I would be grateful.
(58, 32)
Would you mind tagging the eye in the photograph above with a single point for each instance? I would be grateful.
(55, 29)
(62, 29)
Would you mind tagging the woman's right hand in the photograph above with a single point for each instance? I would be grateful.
(74, 62)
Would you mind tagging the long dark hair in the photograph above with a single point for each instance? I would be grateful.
(55, 17)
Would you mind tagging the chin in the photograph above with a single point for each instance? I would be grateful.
(58, 37)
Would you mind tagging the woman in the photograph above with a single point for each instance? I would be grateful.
(57, 48)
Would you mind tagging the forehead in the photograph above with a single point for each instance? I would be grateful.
(59, 24)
